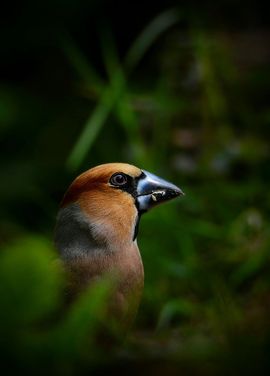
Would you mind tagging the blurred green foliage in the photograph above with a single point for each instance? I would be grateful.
(180, 96)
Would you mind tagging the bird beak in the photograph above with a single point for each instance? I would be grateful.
(152, 190)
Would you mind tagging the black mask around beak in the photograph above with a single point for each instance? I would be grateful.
(152, 190)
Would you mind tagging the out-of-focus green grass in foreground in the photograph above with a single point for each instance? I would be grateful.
(191, 115)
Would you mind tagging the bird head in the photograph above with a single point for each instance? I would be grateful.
(107, 202)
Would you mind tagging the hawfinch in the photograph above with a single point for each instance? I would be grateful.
(97, 227)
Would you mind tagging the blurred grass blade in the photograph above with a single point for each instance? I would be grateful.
(128, 119)
(110, 54)
(79, 62)
(84, 318)
(91, 130)
(98, 118)
(122, 106)
(117, 80)
(160, 24)
(180, 307)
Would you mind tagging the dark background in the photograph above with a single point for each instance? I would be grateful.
(180, 89)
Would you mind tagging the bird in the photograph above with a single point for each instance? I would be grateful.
(97, 227)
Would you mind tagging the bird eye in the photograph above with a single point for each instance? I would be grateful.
(118, 179)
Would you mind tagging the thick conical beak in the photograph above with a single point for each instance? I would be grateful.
(152, 190)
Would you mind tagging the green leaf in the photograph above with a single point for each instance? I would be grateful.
(30, 282)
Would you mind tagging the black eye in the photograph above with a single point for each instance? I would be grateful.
(118, 179)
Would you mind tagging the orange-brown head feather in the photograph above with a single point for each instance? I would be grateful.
(111, 211)
(97, 179)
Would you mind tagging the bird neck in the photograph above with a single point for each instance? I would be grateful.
(77, 235)
(89, 256)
